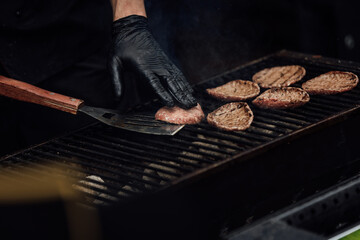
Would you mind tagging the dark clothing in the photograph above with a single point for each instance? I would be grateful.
(24, 124)
(61, 46)
(40, 38)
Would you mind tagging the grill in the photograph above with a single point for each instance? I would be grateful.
(325, 215)
(112, 165)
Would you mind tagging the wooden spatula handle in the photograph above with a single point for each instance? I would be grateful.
(28, 93)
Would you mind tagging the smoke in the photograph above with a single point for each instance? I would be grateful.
(206, 38)
(202, 39)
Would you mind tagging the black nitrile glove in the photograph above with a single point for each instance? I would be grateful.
(136, 50)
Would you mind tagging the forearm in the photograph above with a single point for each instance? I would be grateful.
(124, 8)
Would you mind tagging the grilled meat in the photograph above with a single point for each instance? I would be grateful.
(233, 116)
(236, 90)
(178, 115)
(287, 97)
(282, 76)
(331, 83)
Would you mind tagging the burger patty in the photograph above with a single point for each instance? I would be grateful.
(331, 83)
(282, 76)
(236, 90)
(178, 115)
(287, 97)
(234, 116)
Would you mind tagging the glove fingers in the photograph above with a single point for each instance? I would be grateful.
(185, 86)
(115, 67)
(165, 97)
(180, 92)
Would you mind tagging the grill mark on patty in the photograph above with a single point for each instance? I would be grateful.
(269, 75)
(233, 116)
(236, 90)
(285, 78)
(281, 76)
(276, 74)
(298, 75)
(331, 83)
(286, 97)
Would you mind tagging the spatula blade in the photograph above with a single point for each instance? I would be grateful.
(143, 123)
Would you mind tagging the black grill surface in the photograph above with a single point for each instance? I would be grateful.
(111, 165)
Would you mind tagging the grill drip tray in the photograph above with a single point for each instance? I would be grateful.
(110, 165)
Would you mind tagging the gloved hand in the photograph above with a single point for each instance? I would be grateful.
(136, 50)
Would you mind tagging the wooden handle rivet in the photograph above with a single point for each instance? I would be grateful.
(72, 99)
(51, 93)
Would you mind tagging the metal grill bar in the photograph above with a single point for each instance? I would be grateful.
(111, 182)
(131, 163)
(262, 132)
(278, 123)
(210, 148)
(295, 115)
(113, 148)
(247, 135)
(269, 127)
(192, 139)
(175, 148)
(308, 113)
(38, 167)
(326, 108)
(281, 117)
(90, 152)
(223, 135)
(317, 108)
(74, 172)
(338, 104)
(67, 166)
(97, 167)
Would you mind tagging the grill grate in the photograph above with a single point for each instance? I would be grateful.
(116, 165)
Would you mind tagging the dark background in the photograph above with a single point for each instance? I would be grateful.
(206, 38)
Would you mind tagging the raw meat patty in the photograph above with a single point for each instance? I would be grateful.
(233, 116)
(287, 97)
(282, 76)
(331, 83)
(180, 116)
(236, 90)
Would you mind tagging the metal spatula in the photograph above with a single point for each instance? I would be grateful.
(143, 123)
